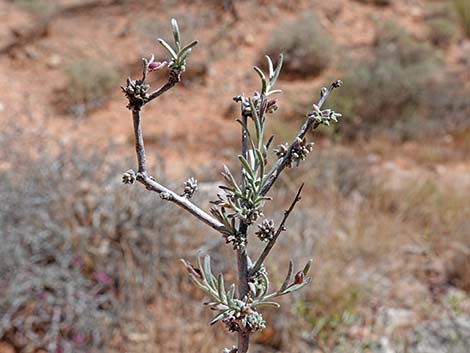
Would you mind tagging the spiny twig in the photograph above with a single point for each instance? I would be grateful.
(280, 229)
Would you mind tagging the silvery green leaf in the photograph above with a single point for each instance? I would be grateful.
(275, 91)
(263, 79)
(255, 116)
(260, 159)
(276, 305)
(277, 71)
(246, 166)
(183, 56)
(248, 134)
(231, 296)
(307, 267)
(230, 179)
(168, 48)
(206, 289)
(217, 318)
(188, 47)
(288, 277)
(176, 33)
(208, 272)
(270, 66)
(221, 288)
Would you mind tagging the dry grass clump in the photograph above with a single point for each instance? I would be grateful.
(89, 84)
(463, 10)
(79, 259)
(442, 22)
(442, 32)
(306, 45)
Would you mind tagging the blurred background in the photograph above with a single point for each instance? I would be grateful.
(88, 264)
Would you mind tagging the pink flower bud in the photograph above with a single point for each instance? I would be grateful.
(156, 65)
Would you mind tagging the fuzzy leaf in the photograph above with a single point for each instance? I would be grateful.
(217, 318)
(231, 296)
(188, 47)
(276, 305)
(259, 130)
(270, 66)
(260, 159)
(307, 267)
(207, 271)
(176, 33)
(288, 277)
(277, 71)
(246, 167)
(260, 73)
(168, 48)
(275, 91)
(221, 288)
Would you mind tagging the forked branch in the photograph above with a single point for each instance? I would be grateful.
(279, 230)
(311, 122)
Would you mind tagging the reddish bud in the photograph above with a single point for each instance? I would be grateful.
(299, 278)
(156, 65)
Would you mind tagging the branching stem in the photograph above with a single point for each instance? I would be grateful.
(149, 182)
(280, 229)
(282, 163)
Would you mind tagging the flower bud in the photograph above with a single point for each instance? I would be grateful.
(156, 65)
(299, 278)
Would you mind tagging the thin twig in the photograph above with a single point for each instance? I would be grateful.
(282, 163)
(172, 80)
(139, 141)
(280, 229)
(149, 182)
(181, 201)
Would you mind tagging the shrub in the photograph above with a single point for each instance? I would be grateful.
(90, 82)
(64, 286)
(305, 44)
(41, 8)
(463, 10)
(385, 91)
(442, 20)
(442, 32)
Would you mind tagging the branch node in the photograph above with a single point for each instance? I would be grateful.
(166, 196)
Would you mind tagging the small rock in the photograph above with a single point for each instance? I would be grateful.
(54, 61)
